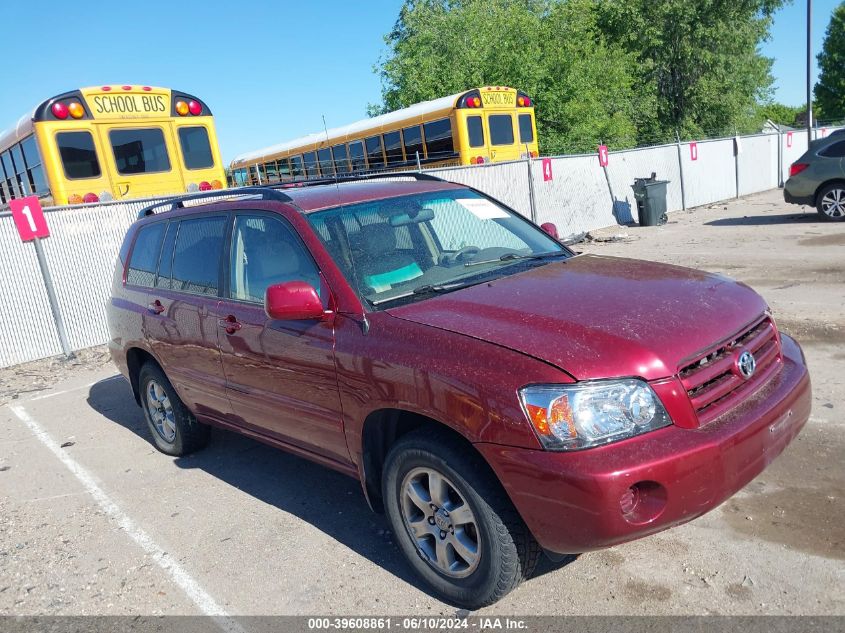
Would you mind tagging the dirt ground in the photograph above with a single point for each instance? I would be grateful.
(93, 520)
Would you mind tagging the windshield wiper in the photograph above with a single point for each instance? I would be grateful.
(428, 289)
(507, 257)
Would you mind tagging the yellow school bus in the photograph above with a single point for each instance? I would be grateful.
(109, 143)
(483, 125)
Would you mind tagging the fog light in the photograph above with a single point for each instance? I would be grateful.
(629, 500)
(643, 502)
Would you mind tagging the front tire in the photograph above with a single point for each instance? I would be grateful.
(453, 521)
(831, 202)
(174, 428)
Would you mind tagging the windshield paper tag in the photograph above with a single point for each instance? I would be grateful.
(481, 208)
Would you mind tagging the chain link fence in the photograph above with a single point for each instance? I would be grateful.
(575, 192)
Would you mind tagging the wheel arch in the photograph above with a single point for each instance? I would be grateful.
(826, 183)
(380, 431)
(137, 357)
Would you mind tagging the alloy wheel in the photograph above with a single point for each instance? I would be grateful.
(833, 203)
(161, 411)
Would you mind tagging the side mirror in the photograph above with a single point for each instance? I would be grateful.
(293, 301)
(550, 228)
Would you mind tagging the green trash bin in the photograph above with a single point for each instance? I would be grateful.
(650, 194)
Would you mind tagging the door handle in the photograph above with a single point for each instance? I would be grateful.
(155, 307)
(230, 324)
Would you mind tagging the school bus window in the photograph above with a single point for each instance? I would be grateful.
(196, 148)
(476, 131)
(438, 139)
(501, 129)
(309, 162)
(35, 171)
(262, 173)
(79, 158)
(325, 158)
(20, 170)
(393, 147)
(240, 177)
(272, 172)
(412, 137)
(356, 156)
(139, 151)
(526, 130)
(254, 178)
(374, 155)
(296, 166)
(284, 168)
(340, 159)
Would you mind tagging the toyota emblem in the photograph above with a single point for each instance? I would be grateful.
(746, 364)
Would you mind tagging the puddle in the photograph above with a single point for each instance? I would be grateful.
(799, 501)
(836, 239)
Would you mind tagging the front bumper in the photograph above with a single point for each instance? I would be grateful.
(571, 501)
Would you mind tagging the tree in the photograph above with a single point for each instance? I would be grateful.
(552, 50)
(698, 61)
(830, 89)
(780, 113)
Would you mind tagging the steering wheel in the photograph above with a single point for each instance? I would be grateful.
(450, 259)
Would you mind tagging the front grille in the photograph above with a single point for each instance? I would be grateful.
(713, 382)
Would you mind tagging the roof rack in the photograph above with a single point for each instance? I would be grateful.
(275, 191)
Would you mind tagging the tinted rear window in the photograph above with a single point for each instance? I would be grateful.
(501, 129)
(196, 259)
(837, 150)
(141, 151)
(196, 148)
(526, 130)
(79, 157)
(476, 131)
(144, 260)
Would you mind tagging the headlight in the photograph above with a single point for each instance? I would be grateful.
(572, 417)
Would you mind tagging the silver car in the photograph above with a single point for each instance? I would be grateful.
(818, 177)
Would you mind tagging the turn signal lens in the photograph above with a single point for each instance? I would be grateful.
(194, 107)
(794, 168)
(59, 110)
(205, 186)
(90, 197)
(520, 101)
(216, 184)
(74, 198)
(476, 102)
(527, 102)
(181, 108)
(76, 110)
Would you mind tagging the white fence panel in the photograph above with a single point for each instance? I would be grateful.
(507, 182)
(28, 331)
(758, 163)
(792, 149)
(576, 199)
(624, 167)
(712, 176)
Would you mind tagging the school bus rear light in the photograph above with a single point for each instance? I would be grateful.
(76, 110)
(523, 102)
(195, 107)
(216, 184)
(181, 108)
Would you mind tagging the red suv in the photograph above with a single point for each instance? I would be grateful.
(497, 395)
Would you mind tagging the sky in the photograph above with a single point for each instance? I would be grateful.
(269, 71)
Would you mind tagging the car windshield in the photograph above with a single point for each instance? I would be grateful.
(405, 248)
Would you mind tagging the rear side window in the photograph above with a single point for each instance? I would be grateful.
(141, 151)
(438, 139)
(393, 147)
(196, 148)
(196, 258)
(79, 157)
(356, 156)
(165, 261)
(476, 131)
(501, 129)
(526, 130)
(144, 259)
(837, 150)
(374, 156)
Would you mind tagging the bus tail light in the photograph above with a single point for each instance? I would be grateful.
(523, 100)
(60, 110)
(76, 110)
(478, 160)
(205, 186)
(74, 198)
(216, 184)
(534, 154)
(194, 107)
(90, 197)
(192, 188)
(105, 196)
(181, 108)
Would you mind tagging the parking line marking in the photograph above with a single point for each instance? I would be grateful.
(80, 388)
(202, 599)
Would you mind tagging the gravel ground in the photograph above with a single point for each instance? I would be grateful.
(251, 530)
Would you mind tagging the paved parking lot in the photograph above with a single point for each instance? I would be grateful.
(93, 520)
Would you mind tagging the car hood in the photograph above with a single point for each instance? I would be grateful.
(598, 317)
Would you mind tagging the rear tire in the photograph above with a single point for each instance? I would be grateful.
(830, 202)
(453, 521)
(174, 428)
